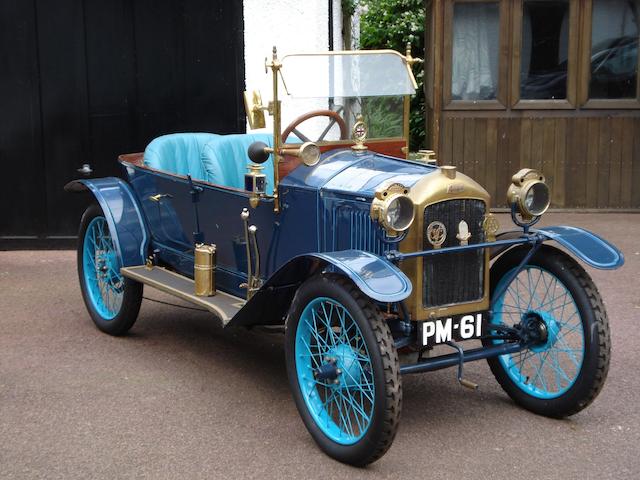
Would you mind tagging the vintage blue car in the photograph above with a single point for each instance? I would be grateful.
(327, 231)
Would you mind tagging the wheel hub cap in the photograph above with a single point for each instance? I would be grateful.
(542, 328)
(341, 367)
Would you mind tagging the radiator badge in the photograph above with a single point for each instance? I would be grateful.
(490, 225)
(436, 234)
(463, 233)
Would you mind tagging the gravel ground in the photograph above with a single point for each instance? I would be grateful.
(181, 398)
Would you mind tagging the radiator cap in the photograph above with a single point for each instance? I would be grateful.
(448, 171)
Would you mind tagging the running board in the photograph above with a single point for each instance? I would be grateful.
(223, 305)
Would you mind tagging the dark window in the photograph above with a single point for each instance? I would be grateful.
(614, 49)
(545, 48)
(476, 39)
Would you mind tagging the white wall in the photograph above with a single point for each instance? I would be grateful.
(293, 26)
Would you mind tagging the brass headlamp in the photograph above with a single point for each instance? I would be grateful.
(529, 193)
(393, 209)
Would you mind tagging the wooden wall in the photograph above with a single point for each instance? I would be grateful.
(588, 149)
(589, 161)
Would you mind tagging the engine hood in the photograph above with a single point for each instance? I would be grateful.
(356, 173)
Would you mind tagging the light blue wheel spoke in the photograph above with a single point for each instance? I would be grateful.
(532, 289)
(321, 342)
(545, 305)
(539, 369)
(566, 321)
(564, 306)
(329, 399)
(576, 328)
(340, 402)
(358, 413)
(569, 352)
(346, 415)
(328, 338)
(552, 365)
(557, 368)
(363, 387)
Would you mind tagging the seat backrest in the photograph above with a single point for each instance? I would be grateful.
(225, 159)
(179, 153)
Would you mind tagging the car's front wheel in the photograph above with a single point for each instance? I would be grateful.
(343, 369)
(555, 300)
(112, 300)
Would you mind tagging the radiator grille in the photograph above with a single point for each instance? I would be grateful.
(456, 277)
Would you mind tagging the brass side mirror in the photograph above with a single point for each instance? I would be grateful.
(254, 108)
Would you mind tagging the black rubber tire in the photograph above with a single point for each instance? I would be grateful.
(384, 358)
(595, 323)
(133, 290)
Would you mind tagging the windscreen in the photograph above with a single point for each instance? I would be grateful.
(347, 74)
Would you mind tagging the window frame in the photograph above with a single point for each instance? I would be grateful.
(568, 103)
(509, 57)
(585, 70)
(500, 102)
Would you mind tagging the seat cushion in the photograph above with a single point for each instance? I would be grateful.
(225, 159)
(179, 153)
(217, 159)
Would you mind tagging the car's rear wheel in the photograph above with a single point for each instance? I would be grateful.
(555, 300)
(112, 300)
(343, 369)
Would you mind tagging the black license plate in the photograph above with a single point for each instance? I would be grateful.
(459, 327)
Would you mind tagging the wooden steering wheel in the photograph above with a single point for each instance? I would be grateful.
(333, 116)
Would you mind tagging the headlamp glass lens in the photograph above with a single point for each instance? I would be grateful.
(536, 200)
(399, 215)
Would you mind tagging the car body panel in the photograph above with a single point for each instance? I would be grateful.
(361, 173)
(318, 214)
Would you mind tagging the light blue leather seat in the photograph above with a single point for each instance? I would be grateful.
(225, 159)
(217, 159)
(179, 153)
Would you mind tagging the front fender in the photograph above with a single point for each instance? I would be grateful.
(123, 214)
(376, 277)
(587, 246)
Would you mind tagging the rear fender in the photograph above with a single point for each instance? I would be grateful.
(587, 246)
(123, 214)
(376, 277)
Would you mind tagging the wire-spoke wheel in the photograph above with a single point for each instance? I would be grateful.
(343, 369)
(112, 300)
(555, 303)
